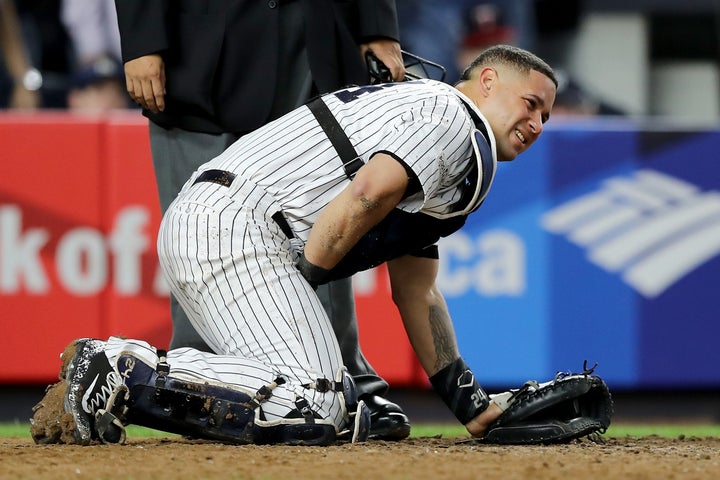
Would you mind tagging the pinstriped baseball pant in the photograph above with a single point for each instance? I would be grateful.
(231, 268)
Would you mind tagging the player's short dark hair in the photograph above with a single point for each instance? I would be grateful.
(515, 57)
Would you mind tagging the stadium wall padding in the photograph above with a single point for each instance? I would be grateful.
(600, 244)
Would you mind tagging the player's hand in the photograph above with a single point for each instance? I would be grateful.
(145, 81)
(388, 52)
(478, 425)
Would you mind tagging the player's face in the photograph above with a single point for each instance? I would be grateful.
(517, 106)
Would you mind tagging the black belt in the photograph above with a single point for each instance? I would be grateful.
(221, 177)
(283, 224)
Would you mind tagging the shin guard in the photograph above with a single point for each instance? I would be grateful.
(159, 401)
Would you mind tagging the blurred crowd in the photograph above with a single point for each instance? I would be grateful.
(61, 54)
(65, 54)
(453, 32)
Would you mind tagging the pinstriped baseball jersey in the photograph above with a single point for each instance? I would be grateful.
(423, 123)
(232, 268)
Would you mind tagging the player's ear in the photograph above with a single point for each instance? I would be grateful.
(487, 78)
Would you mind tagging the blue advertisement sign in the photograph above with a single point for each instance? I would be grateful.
(599, 244)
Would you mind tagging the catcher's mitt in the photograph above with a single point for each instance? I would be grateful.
(570, 406)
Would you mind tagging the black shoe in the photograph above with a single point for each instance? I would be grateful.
(92, 385)
(387, 420)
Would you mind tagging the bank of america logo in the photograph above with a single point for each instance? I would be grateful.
(649, 227)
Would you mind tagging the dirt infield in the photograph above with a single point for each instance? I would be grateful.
(416, 458)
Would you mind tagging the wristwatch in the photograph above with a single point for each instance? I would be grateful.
(32, 80)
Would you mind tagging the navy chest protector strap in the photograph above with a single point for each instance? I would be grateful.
(349, 157)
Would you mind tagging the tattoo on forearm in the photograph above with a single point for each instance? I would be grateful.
(445, 350)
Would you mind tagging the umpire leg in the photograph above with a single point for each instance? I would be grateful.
(388, 421)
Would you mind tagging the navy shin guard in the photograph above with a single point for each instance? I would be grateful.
(159, 401)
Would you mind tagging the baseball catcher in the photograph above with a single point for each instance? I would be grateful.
(355, 178)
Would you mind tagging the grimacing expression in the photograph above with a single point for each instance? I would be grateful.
(517, 106)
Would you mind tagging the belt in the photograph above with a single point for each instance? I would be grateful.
(221, 177)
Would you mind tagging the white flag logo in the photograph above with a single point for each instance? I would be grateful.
(649, 227)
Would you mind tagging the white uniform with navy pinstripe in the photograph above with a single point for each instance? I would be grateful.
(233, 269)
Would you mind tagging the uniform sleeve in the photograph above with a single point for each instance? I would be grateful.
(431, 140)
(377, 18)
(143, 27)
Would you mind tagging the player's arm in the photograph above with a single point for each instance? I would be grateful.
(423, 311)
(376, 189)
(432, 335)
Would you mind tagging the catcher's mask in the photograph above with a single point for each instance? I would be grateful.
(415, 68)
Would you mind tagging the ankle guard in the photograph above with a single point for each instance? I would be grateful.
(358, 414)
(109, 420)
(458, 388)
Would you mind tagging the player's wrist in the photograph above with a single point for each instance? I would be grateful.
(456, 385)
(314, 274)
